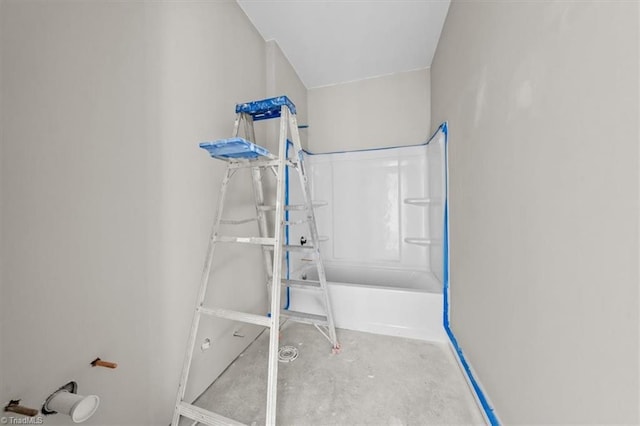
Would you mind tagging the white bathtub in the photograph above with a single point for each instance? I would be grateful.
(379, 300)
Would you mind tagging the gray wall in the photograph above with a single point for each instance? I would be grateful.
(109, 200)
(381, 111)
(75, 176)
(542, 101)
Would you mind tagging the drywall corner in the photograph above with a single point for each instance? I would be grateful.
(3, 310)
(638, 24)
(282, 79)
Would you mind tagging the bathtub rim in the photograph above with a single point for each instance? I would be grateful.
(425, 274)
(386, 288)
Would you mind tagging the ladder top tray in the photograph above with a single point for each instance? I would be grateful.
(266, 108)
(233, 148)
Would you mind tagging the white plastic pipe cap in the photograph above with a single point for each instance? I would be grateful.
(79, 407)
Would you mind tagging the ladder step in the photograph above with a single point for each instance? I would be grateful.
(205, 416)
(237, 222)
(266, 108)
(273, 162)
(262, 320)
(296, 222)
(291, 207)
(307, 284)
(246, 240)
(304, 317)
(297, 248)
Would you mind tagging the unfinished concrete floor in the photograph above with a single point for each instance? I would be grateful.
(375, 380)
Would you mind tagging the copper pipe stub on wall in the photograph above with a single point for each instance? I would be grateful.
(100, 363)
(14, 407)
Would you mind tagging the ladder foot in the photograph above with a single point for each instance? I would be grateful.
(336, 349)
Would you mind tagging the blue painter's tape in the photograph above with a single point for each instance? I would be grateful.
(286, 218)
(266, 108)
(489, 411)
(442, 127)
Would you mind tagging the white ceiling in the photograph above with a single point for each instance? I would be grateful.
(333, 41)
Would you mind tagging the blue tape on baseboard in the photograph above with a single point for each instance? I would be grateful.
(487, 408)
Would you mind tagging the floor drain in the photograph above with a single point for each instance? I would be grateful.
(287, 354)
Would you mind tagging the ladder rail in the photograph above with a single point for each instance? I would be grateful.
(236, 125)
(313, 229)
(244, 118)
(206, 273)
(274, 335)
(258, 194)
(249, 130)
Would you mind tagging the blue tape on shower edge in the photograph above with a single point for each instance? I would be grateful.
(488, 409)
(443, 127)
(286, 218)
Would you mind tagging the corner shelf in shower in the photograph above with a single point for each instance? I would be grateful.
(422, 241)
(422, 201)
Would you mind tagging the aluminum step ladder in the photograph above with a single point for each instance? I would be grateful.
(243, 153)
